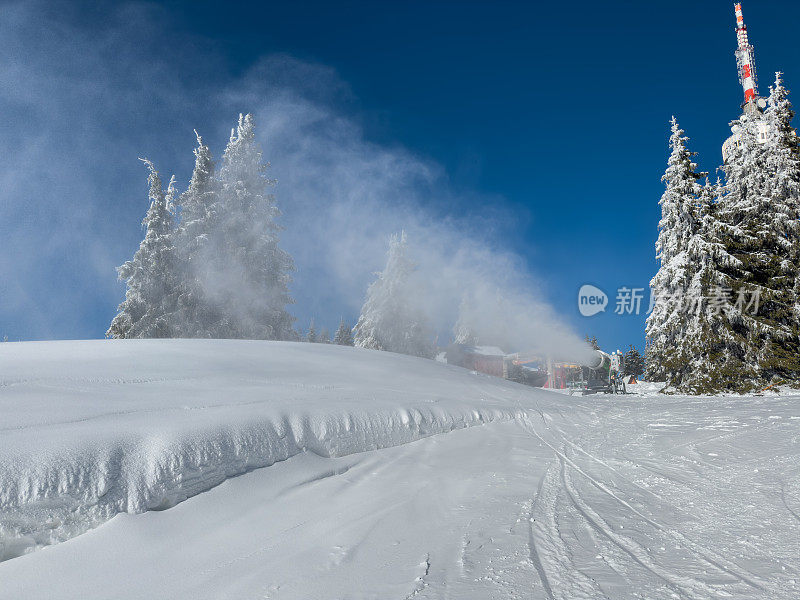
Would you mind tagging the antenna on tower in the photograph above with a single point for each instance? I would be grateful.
(745, 62)
(753, 106)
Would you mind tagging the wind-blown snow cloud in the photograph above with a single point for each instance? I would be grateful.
(80, 106)
(342, 197)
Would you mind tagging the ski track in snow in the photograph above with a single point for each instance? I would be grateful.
(551, 496)
(629, 516)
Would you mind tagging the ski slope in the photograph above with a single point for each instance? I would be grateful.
(236, 469)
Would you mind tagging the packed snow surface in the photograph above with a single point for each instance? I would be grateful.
(295, 471)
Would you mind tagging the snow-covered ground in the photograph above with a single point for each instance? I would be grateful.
(232, 469)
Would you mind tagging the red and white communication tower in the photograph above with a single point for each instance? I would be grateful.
(753, 105)
(744, 59)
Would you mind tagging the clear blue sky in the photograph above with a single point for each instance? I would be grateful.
(558, 111)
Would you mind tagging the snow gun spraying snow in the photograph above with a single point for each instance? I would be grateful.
(603, 373)
(591, 372)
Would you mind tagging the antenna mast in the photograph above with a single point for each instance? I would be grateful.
(753, 106)
(745, 59)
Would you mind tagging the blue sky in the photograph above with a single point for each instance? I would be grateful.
(540, 129)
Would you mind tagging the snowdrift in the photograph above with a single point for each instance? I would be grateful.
(91, 429)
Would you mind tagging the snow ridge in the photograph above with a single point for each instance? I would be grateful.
(132, 447)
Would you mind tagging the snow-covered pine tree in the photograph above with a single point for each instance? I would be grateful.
(705, 362)
(666, 322)
(196, 249)
(388, 319)
(150, 298)
(634, 362)
(344, 335)
(324, 336)
(251, 289)
(783, 159)
(311, 336)
(760, 207)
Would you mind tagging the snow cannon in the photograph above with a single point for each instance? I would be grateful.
(597, 360)
(603, 373)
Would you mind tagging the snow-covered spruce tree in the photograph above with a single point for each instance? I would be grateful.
(634, 362)
(248, 282)
(388, 320)
(151, 295)
(198, 207)
(344, 335)
(666, 322)
(760, 207)
(706, 362)
(324, 336)
(783, 159)
(311, 336)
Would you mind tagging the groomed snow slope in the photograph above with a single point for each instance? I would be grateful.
(406, 479)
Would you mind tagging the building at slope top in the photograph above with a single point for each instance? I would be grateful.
(534, 369)
(484, 359)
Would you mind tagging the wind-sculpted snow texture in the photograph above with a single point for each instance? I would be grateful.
(552, 496)
(92, 429)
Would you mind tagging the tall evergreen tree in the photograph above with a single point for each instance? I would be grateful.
(665, 324)
(221, 273)
(197, 203)
(703, 357)
(388, 318)
(760, 207)
(195, 248)
(251, 289)
(151, 292)
(344, 335)
(784, 161)
(324, 336)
